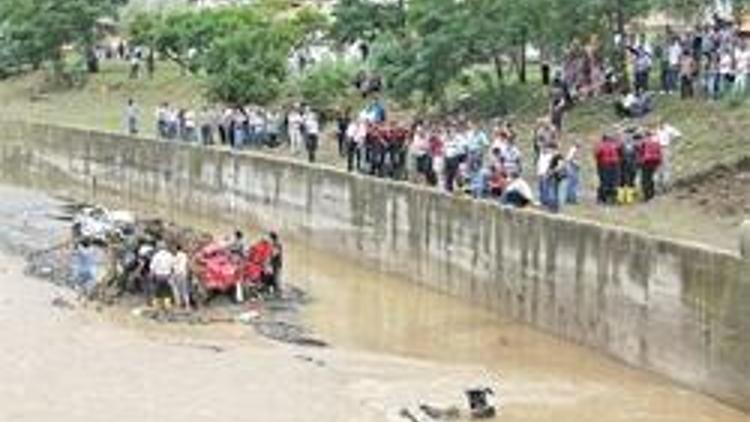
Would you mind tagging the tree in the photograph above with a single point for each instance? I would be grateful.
(365, 19)
(38, 30)
(247, 67)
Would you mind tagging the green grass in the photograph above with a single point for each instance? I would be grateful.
(101, 103)
(714, 132)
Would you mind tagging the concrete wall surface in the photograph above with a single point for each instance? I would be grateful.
(678, 309)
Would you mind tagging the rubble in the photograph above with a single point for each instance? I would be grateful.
(119, 241)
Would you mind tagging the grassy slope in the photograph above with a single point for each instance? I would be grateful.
(714, 132)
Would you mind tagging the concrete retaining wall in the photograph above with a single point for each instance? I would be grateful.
(677, 309)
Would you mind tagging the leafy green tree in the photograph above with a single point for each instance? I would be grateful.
(38, 30)
(365, 19)
(249, 66)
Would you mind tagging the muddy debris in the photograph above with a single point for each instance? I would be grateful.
(121, 267)
(61, 303)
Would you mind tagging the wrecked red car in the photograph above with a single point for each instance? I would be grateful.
(218, 270)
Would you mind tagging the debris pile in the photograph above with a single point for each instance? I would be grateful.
(110, 258)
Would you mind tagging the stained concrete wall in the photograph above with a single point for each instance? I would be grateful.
(677, 309)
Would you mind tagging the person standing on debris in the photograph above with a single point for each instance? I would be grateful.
(237, 247)
(277, 263)
(180, 281)
(161, 271)
(84, 266)
(131, 117)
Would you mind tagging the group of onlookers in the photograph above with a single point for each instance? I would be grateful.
(712, 61)
(461, 156)
(633, 154)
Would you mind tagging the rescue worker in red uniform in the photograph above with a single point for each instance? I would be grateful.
(608, 162)
(650, 158)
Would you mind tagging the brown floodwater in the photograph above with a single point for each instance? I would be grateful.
(443, 344)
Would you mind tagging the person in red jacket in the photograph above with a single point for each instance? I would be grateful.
(608, 161)
(649, 158)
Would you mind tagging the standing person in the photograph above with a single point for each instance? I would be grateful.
(554, 176)
(85, 266)
(726, 71)
(667, 135)
(674, 57)
(572, 174)
(542, 171)
(356, 134)
(477, 143)
(312, 134)
(207, 122)
(650, 158)
(131, 117)
(511, 157)
(557, 113)
(742, 56)
(713, 77)
(161, 267)
(642, 66)
(455, 154)
(608, 160)
(277, 263)
(162, 117)
(135, 64)
(180, 281)
(294, 129)
(628, 167)
(687, 74)
(343, 120)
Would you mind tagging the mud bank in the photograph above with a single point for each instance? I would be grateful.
(669, 307)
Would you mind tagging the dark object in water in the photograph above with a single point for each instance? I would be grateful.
(479, 404)
(437, 413)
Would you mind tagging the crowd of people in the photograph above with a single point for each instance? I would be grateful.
(486, 161)
(634, 154)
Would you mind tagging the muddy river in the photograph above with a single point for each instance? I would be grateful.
(393, 345)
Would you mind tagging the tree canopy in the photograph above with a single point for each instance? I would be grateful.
(36, 31)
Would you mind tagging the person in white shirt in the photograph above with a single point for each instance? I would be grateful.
(674, 55)
(518, 193)
(312, 134)
(511, 157)
(667, 135)
(160, 271)
(726, 71)
(180, 281)
(455, 153)
(294, 123)
(356, 134)
(742, 57)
